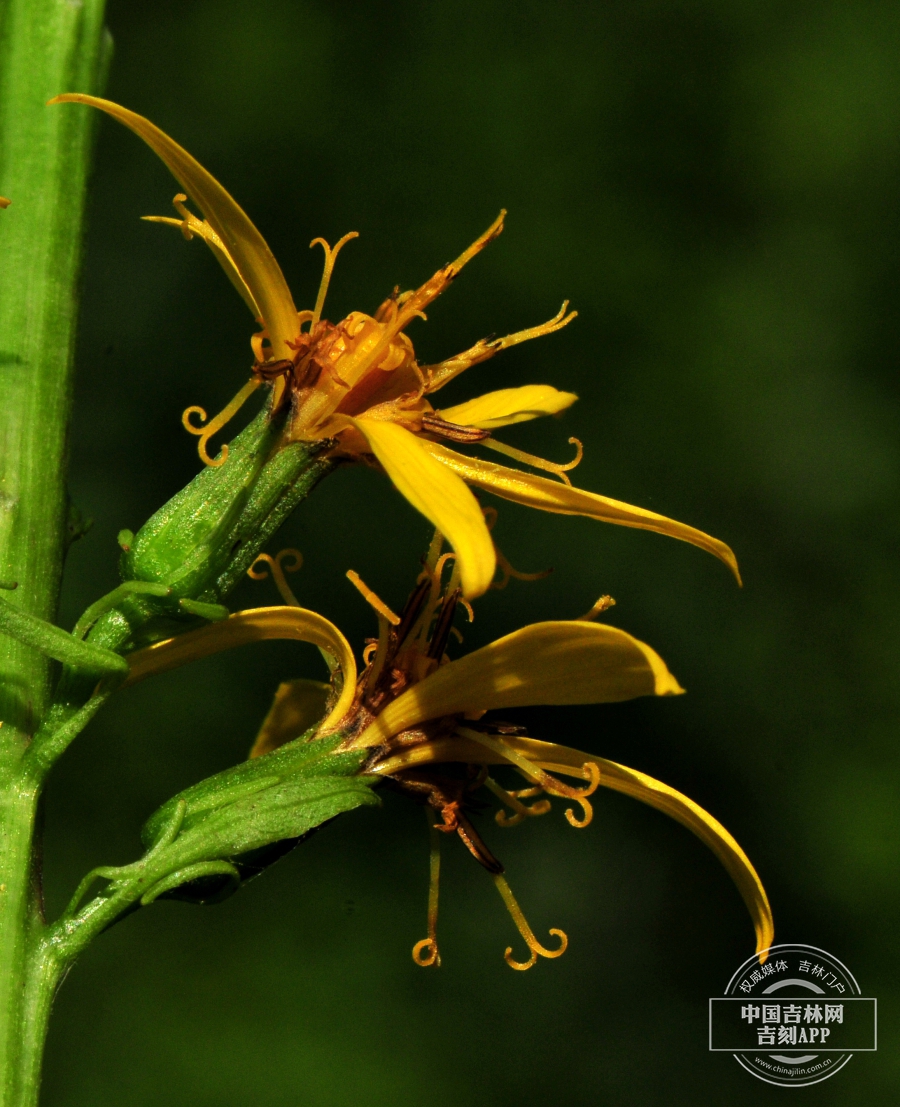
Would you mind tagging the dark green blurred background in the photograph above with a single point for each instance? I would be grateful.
(714, 184)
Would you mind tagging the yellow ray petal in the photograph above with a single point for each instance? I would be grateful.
(243, 242)
(562, 759)
(298, 705)
(255, 625)
(673, 803)
(548, 495)
(545, 663)
(441, 497)
(509, 405)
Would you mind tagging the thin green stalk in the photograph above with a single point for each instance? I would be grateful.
(46, 47)
(43, 974)
(20, 925)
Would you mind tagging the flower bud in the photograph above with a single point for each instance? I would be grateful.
(208, 535)
(204, 539)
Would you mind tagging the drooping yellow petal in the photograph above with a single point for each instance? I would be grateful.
(545, 663)
(255, 625)
(565, 760)
(242, 241)
(548, 495)
(298, 705)
(648, 790)
(509, 405)
(441, 497)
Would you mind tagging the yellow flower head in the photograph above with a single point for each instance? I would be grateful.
(357, 384)
(421, 716)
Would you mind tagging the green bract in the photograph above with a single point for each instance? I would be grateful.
(184, 561)
(261, 801)
(203, 843)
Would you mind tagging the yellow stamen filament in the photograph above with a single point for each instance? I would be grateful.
(444, 372)
(284, 589)
(587, 811)
(603, 604)
(455, 579)
(372, 598)
(468, 609)
(413, 399)
(479, 244)
(387, 312)
(411, 304)
(522, 810)
(426, 952)
(538, 462)
(423, 958)
(330, 257)
(189, 225)
(508, 571)
(503, 564)
(381, 650)
(420, 629)
(439, 595)
(408, 307)
(558, 321)
(386, 619)
(278, 569)
(434, 552)
(549, 783)
(225, 415)
(261, 352)
(442, 562)
(537, 950)
(570, 762)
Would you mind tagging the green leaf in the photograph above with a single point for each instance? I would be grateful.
(282, 795)
(54, 642)
(300, 759)
(290, 809)
(209, 872)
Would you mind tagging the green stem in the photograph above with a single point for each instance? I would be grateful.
(46, 47)
(177, 569)
(201, 845)
(41, 979)
(20, 924)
